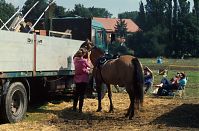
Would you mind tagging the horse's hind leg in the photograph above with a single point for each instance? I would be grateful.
(110, 97)
(99, 88)
(132, 99)
(130, 111)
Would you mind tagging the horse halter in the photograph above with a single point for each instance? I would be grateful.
(94, 47)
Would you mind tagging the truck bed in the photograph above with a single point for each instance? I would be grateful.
(23, 54)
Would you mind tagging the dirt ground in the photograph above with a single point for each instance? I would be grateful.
(157, 114)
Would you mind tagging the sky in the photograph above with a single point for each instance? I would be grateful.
(113, 6)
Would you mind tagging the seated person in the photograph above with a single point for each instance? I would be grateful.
(182, 81)
(164, 82)
(148, 78)
(176, 83)
(175, 80)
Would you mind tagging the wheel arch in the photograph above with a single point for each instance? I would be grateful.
(24, 81)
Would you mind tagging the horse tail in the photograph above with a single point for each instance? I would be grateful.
(139, 82)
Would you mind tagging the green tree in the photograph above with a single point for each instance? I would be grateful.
(155, 10)
(141, 19)
(6, 11)
(37, 11)
(128, 15)
(99, 12)
(121, 28)
(170, 29)
(80, 11)
(196, 9)
(60, 11)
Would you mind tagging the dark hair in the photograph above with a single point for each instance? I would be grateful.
(146, 68)
(183, 74)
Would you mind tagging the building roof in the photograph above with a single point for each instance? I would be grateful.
(97, 24)
(109, 24)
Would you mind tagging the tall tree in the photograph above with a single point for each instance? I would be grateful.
(128, 15)
(155, 12)
(196, 8)
(121, 28)
(184, 8)
(60, 11)
(99, 12)
(80, 11)
(6, 11)
(37, 11)
(141, 19)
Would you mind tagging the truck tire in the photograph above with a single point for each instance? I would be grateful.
(14, 103)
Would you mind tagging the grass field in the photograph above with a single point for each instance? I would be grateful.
(189, 66)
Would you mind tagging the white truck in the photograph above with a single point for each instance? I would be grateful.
(34, 64)
(30, 64)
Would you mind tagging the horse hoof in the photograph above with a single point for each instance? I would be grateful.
(126, 115)
(111, 111)
(130, 117)
(99, 110)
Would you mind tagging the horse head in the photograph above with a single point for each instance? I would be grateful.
(96, 53)
(88, 45)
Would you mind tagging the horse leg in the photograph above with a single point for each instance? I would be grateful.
(110, 97)
(99, 88)
(130, 111)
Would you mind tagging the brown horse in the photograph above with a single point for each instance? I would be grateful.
(124, 71)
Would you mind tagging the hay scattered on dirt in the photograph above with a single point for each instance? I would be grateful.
(157, 113)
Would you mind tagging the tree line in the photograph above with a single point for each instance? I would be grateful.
(167, 27)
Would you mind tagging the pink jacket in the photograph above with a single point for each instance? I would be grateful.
(81, 70)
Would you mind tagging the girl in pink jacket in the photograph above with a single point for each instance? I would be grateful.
(81, 78)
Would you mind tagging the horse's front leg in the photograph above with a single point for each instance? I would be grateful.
(99, 89)
(110, 97)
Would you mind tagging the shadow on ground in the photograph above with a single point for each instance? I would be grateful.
(186, 115)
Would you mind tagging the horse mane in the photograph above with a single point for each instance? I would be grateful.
(83, 45)
(87, 44)
(99, 50)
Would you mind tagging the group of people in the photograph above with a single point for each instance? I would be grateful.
(166, 87)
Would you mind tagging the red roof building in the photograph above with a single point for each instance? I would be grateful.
(110, 23)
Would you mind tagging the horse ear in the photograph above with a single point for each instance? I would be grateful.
(88, 41)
